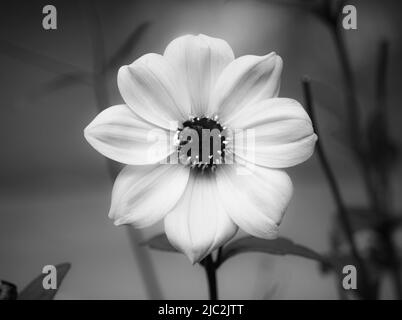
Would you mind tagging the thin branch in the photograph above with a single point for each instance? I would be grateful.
(341, 207)
(381, 78)
(352, 106)
(382, 187)
(381, 136)
(378, 204)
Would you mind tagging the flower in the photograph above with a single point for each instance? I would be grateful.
(198, 84)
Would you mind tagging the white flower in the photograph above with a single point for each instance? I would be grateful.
(194, 82)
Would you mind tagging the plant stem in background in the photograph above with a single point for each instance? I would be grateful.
(378, 203)
(341, 208)
(381, 78)
(141, 255)
(381, 118)
(382, 183)
(375, 177)
(352, 108)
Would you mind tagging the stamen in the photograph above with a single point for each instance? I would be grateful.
(185, 138)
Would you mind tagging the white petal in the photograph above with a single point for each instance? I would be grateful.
(142, 195)
(148, 86)
(255, 198)
(283, 133)
(119, 134)
(199, 60)
(248, 79)
(199, 224)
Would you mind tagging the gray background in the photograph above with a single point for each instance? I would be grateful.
(55, 190)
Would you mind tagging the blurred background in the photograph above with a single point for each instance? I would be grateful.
(55, 189)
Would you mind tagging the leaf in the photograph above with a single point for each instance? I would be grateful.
(58, 83)
(68, 79)
(363, 218)
(279, 246)
(37, 59)
(161, 243)
(35, 290)
(8, 290)
(121, 56)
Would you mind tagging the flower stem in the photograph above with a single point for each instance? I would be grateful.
(210, 269)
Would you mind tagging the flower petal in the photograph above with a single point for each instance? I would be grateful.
(149, 88)
(119, 134)
(199, 60)
(199, 224)
(248, 79)
(282, 129)
(142, 195)
(254, 197)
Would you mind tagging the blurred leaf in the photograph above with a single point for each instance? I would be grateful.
(8, 290)
(362, 218)
(58, 83)
(160, 242)
(121, 56)
(383, 151)
(279, 246)
(35, 290)
(293, 3)
(68, 79)
(37, 59)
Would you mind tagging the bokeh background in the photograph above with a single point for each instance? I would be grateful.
(55, 189)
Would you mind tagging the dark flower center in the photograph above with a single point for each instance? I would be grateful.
(202, 143)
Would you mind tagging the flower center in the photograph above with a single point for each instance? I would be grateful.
(201, 143)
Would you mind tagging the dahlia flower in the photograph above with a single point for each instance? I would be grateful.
(203, 198)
